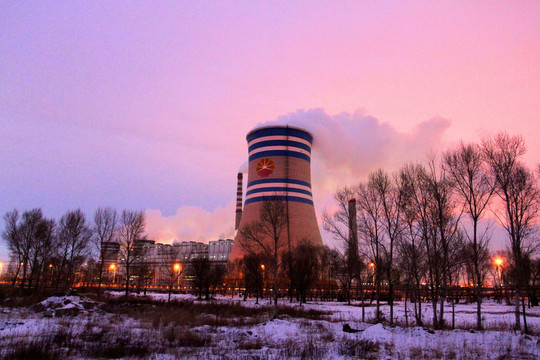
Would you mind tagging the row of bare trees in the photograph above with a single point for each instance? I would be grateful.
(42, 250)
(427, 222)
(46, 253)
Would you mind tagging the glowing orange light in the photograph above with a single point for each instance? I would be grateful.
(498, 261)
(371, 264)
(262, 266)
(177, 267)
(112, 267)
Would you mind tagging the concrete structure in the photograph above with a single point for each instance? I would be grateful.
(279, 165)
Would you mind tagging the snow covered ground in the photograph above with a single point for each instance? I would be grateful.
(242, 330)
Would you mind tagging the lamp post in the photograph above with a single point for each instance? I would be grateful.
(178, 268)
(112, 267)
(1, 268)
(263, 277)
(498, 262)
(372, 266)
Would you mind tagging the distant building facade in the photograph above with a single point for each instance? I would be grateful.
(156, 258)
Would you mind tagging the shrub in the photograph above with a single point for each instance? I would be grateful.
(39, 348)
(362, 348)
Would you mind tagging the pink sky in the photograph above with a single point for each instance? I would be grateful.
(146, 106)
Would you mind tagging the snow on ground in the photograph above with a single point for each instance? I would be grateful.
(285, 337)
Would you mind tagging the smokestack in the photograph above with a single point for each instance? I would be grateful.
(280, 164)
(238, 202)
(353, 232)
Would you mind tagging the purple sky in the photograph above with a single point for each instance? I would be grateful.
(146, 106)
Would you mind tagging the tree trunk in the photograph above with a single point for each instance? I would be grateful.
(453, 314)
(127, 281)
(406, 313)
(479, 306)
(517, 325)
(525, 329)
(378, 298)
(434, 304)
(274, 289)
(391, 300)
(419, 300)
(363, 307)
(100, 277)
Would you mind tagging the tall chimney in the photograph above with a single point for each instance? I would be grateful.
(352, 251)
(238, 202)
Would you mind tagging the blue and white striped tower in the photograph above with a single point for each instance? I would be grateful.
(280, 164)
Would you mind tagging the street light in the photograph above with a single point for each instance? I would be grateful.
(1, 267)
(372, 266)
(112, 267)
(178, 268)
(263, 268)
(498, 262)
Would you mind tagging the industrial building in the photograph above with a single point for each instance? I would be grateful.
(156, 257)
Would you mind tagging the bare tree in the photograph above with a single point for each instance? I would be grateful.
(144, 271)
(389, 190)
(217, 275)
(104, 231)
(518, 193)
(370, 227)
(445, 228)
(305, 266)
(132, 228)
(74, 239)
(171, 267)
(200, 270)
(12, 236)
(411, 249)
(342, 224)
(534, 279)
(420, 213)
(252, 268)
(267, 236)
(42, 250)
(30, 240)
(474, 187)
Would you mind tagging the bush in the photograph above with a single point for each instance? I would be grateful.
(362, 348)
(40, 348)
(116, 350)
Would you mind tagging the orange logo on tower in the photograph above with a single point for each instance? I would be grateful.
(265, 167)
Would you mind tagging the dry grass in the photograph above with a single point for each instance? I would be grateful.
(141, 328)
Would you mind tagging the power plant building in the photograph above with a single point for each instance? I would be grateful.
(279, 166)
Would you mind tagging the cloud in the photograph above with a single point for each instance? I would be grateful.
(191, 223)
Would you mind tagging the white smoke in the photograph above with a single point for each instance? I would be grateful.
(347, 147)
(358, 143)
(243, 168)
(191, 223)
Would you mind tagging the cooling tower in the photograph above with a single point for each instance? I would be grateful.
(279, 164)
